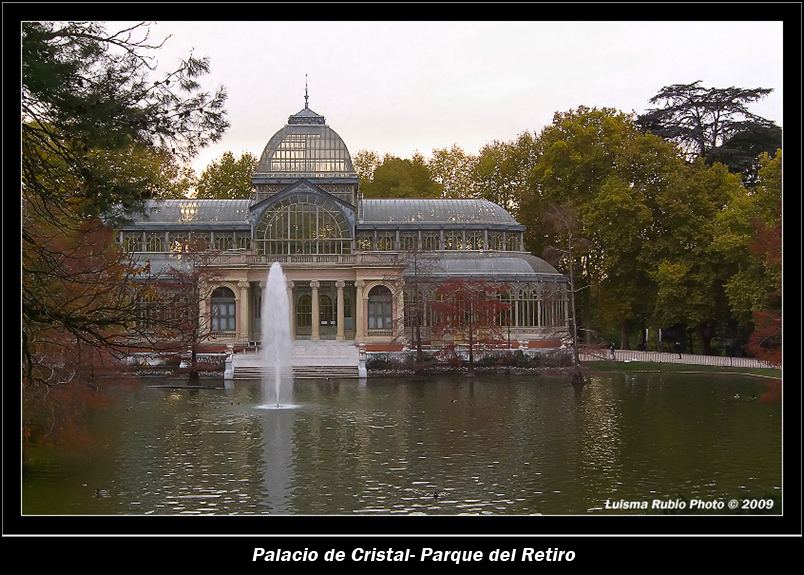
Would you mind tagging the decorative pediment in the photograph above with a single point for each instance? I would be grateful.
(306, 192)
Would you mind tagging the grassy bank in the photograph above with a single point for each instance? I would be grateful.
(622, 366)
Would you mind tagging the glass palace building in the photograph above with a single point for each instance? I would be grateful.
(350, 262)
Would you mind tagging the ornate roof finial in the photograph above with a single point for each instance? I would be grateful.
(305, 91)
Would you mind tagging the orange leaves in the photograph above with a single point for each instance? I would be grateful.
(766, 340)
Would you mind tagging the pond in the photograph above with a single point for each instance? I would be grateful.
(448, 445)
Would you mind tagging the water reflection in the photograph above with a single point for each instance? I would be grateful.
(489, 445)
(277, 462)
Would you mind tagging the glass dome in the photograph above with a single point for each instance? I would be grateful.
(305, 148)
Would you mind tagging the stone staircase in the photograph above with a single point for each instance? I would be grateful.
(311, 360)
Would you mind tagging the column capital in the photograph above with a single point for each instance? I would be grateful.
(360, 283)
(290, 284)
(340, 284)
(314, 284)
(243, 284)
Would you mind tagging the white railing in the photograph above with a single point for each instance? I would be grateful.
(308, 259)
(665, 357)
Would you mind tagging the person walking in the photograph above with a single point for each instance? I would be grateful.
(612, 351)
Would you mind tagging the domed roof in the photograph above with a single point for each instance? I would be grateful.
(305, 148)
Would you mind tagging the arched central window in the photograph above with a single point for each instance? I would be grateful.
(303, 223)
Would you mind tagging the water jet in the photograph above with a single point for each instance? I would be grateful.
(277, 345)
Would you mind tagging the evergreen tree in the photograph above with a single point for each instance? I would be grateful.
(701, 119)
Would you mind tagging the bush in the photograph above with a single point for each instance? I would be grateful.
(379, 362)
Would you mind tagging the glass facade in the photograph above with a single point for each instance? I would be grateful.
(303, 224)
(531, 306)
(306, 203)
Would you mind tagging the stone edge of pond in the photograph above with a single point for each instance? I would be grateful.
(478, 370)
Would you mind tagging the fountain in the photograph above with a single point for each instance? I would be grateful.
(277, 346)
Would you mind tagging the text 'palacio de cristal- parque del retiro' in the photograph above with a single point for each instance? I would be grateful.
(348, 260)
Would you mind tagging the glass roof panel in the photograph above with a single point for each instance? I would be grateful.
(494, 266)
(196, 211)
(464, 211)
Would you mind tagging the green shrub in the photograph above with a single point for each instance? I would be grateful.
(379, 362)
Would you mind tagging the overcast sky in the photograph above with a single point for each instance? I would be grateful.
(399, 87)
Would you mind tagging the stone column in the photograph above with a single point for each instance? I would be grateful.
(398, 310)
(316, 320)
(262, 300)
(339, 333)
(292, 310)
(244, 313)
(360, 330)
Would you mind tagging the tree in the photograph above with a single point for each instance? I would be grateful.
(89, 107)
(501, 171)
(418, 289)
(702, 119)
(595, 163)
(565, 218)
(689, 272)
(183, 289)
(620, 219)
(748, 236)
(648, 215)
(85, 89)
(401, 178)
(742, 152)
(156, 171)
(77, 288)
(78, 291)
(452, 169)
(365, 162)
(573, 157)
(227, 177)
(470, 311)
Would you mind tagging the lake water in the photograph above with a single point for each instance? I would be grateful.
(443, 445)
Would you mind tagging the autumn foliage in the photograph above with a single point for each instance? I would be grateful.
(471, 312)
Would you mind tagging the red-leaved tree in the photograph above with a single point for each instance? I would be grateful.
(470, 311)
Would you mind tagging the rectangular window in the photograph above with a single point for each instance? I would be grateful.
(223, 316)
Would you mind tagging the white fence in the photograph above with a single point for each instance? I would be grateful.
(686, 358)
